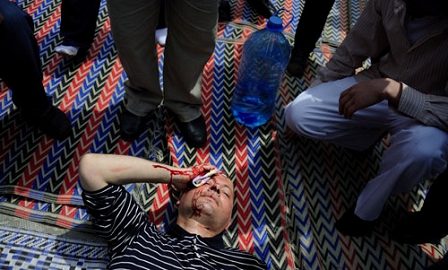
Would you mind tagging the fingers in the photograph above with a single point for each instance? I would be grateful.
(346, 104)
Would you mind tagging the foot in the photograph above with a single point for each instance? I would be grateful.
(297, 63)
(352, 225)
(440, 265)
(194, 132)
(53, 122)
(69, 51)
(161, 36)
(131, 125)
(417, 228)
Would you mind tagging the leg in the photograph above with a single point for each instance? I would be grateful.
(314, 114)
(309, 29)
(78, 22)
(133, 25)
(22, 72)
(187, 54)
(185, 58)
(416, 153)
(18, 48)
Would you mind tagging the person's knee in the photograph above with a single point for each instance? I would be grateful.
(294, 118)
(431, 154)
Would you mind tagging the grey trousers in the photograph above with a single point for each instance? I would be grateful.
(192, 26)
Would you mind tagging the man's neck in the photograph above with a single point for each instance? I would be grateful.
(195, 227)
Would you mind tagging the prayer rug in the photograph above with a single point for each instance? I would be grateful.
(26, 249)
(289, 190)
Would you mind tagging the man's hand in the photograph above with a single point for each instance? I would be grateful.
(365, 94)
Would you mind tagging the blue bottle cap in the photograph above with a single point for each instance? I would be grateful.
(275, 24)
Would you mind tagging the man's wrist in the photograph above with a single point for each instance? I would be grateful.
(393, 91)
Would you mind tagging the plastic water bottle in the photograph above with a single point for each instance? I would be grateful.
(264, 59)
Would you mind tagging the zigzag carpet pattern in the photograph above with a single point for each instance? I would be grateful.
(25, 249)
(289, 190)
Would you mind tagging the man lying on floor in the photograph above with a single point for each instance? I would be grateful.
(193, 242)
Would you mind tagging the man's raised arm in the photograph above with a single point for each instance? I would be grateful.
(98, 170)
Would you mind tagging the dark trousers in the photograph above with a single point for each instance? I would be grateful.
(20, 64)
(78, 21)
(311, 23)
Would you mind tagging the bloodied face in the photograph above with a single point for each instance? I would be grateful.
(210, 203)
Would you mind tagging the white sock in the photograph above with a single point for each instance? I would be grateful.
(161, 36)
(66, 50)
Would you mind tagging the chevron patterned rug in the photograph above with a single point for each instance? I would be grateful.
(289, 190)
(25, 249)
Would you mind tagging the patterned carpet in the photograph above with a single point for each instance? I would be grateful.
(25, 249)
(289, 190)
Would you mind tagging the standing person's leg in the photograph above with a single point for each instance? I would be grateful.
(190, 44)
(20, 59)
(21, 70)
(309, 29)
(133, 25)
(78, 25)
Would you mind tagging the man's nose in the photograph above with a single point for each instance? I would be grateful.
(216, 189)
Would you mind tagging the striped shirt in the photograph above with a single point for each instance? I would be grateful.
(136, 243)
(420, 64)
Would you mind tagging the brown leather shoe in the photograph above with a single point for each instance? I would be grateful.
(194, 132)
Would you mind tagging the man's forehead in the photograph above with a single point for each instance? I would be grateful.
(223, 179)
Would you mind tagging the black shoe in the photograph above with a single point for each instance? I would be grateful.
(351, 225)
(131, 125)
(417, 228)
(194, 132)
(54, 123)
(224, 11)
(297, 63)
(262, 7)
(440, 265)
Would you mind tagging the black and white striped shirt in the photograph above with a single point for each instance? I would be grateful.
(135, 243)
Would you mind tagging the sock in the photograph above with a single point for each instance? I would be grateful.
(161, 36)
(67, 50)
